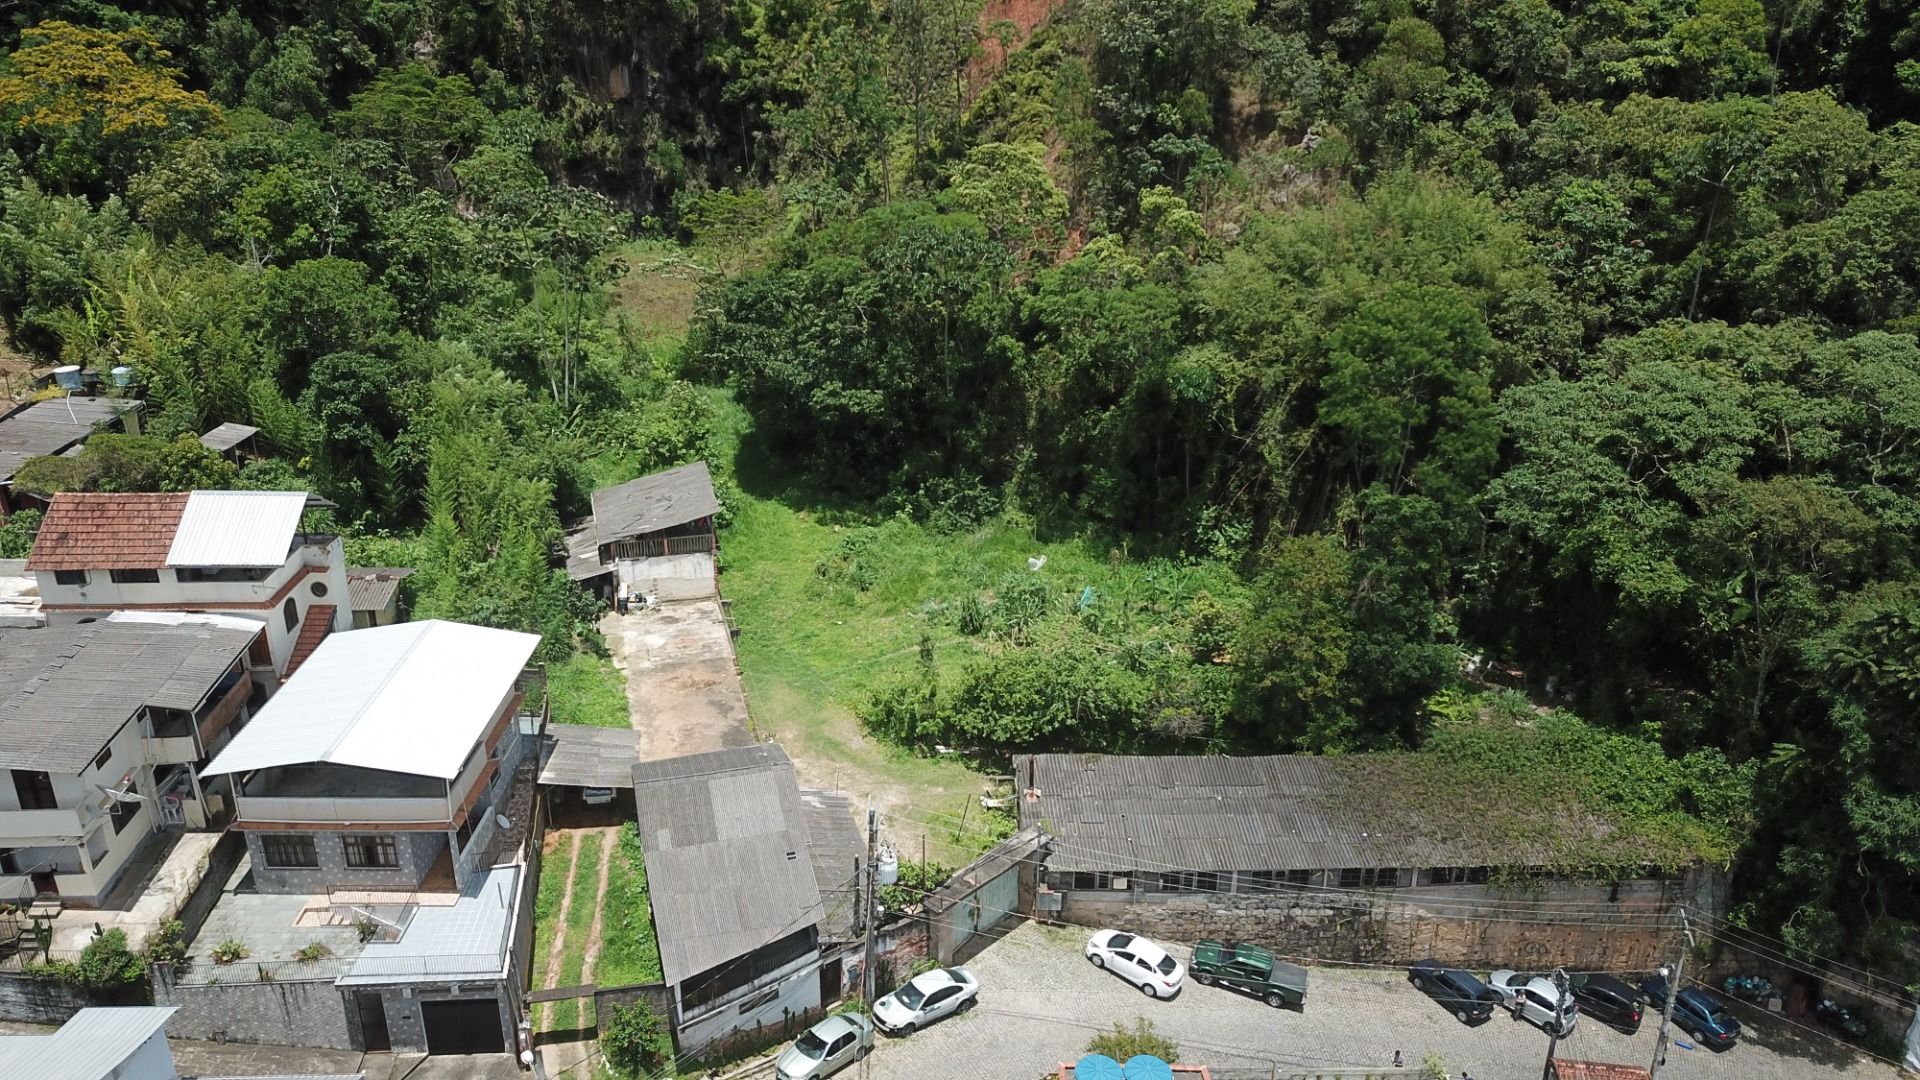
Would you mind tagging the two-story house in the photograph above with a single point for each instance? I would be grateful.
(381, 758)
(231, 552)
(101, 725)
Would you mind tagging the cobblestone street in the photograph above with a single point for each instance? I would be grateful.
(1040, 1001)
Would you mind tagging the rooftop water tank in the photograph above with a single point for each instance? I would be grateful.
(67, 376)
(122, 375)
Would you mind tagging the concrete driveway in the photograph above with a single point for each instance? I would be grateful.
(1040, 1001)
(683, 684)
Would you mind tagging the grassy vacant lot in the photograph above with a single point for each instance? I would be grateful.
(586, 689)
(629, 951)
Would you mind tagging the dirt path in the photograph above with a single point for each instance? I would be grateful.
(557, 947)
(609, 838)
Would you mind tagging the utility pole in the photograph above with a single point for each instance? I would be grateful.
(870, 917)
(1673, 990)
(1555, 1030)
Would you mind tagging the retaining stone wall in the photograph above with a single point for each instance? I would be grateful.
(305, 1013)
(1396, 928)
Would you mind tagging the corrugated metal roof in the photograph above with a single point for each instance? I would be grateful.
(48, 427)
(410, 698)
(581, 756)
(237, 528)
(583, 554)
(91, 1045)
(833, 839)
(655, 502)
(371, 588)
(227, 436)
(66, 690)
(728, 864)
(1281, 812)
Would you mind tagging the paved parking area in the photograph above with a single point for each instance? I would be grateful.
(1040, 1001)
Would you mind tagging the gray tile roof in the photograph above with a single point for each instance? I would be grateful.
(48, 427)
(836, 844)
(581, 756)
(65, 690)
(465, 940)
(371, 588)
(655, 502)
(728, 864)
(1110, 812)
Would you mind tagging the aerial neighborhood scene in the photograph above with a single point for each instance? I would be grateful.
(960, 539)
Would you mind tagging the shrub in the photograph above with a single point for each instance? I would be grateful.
(16, 536)
(312, 953)
(165, 945)
(916, 880)
(1121, 1043)
(635, 1039)
(229, 951)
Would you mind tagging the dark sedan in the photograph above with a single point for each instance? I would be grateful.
(1466, 997)
(1705, 1017)
(1608, 1000)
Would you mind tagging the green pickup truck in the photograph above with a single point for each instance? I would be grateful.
(1250, 969)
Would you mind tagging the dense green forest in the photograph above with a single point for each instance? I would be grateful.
(1563, 346)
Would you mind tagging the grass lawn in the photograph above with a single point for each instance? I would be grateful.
(629, 951)
(546, 907)
(573, 953)
(586, 689)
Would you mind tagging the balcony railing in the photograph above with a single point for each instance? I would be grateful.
(341, 811)
(67, 823)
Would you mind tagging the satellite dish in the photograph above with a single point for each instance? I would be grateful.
(503, 821)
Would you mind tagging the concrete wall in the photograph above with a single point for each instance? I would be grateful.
(31, 1000)
(417, 850)
(304, 1013)
(1457, 925)
(771, 1003)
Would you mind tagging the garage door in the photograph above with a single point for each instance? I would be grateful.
(463, 1027)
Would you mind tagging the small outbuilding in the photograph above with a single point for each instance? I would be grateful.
(651, 537)
(374, 593)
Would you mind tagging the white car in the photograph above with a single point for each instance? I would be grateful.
(927, 997)
(826, 1048)
(1138, 961)
(1536, 998)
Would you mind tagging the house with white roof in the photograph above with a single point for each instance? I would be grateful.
(385, 806)
(381, 760)
(231, 552)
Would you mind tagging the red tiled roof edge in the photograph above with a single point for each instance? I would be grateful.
(318, 624)
(100, 531)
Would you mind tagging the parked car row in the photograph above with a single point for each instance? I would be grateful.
(1247, 968)
(842, 1039)
(1534, 997)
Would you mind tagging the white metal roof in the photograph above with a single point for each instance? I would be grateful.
(93, 1045)
(409, 698)
(237, 528)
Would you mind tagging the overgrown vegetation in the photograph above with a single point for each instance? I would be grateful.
(1352, 360)
(629, 948)
(635, 1040)
(586, 689)
(1123, 1043)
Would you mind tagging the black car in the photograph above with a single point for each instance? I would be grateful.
(1467, 998)
(1608, 1000)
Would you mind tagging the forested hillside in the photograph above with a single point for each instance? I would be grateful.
(1567, 347)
